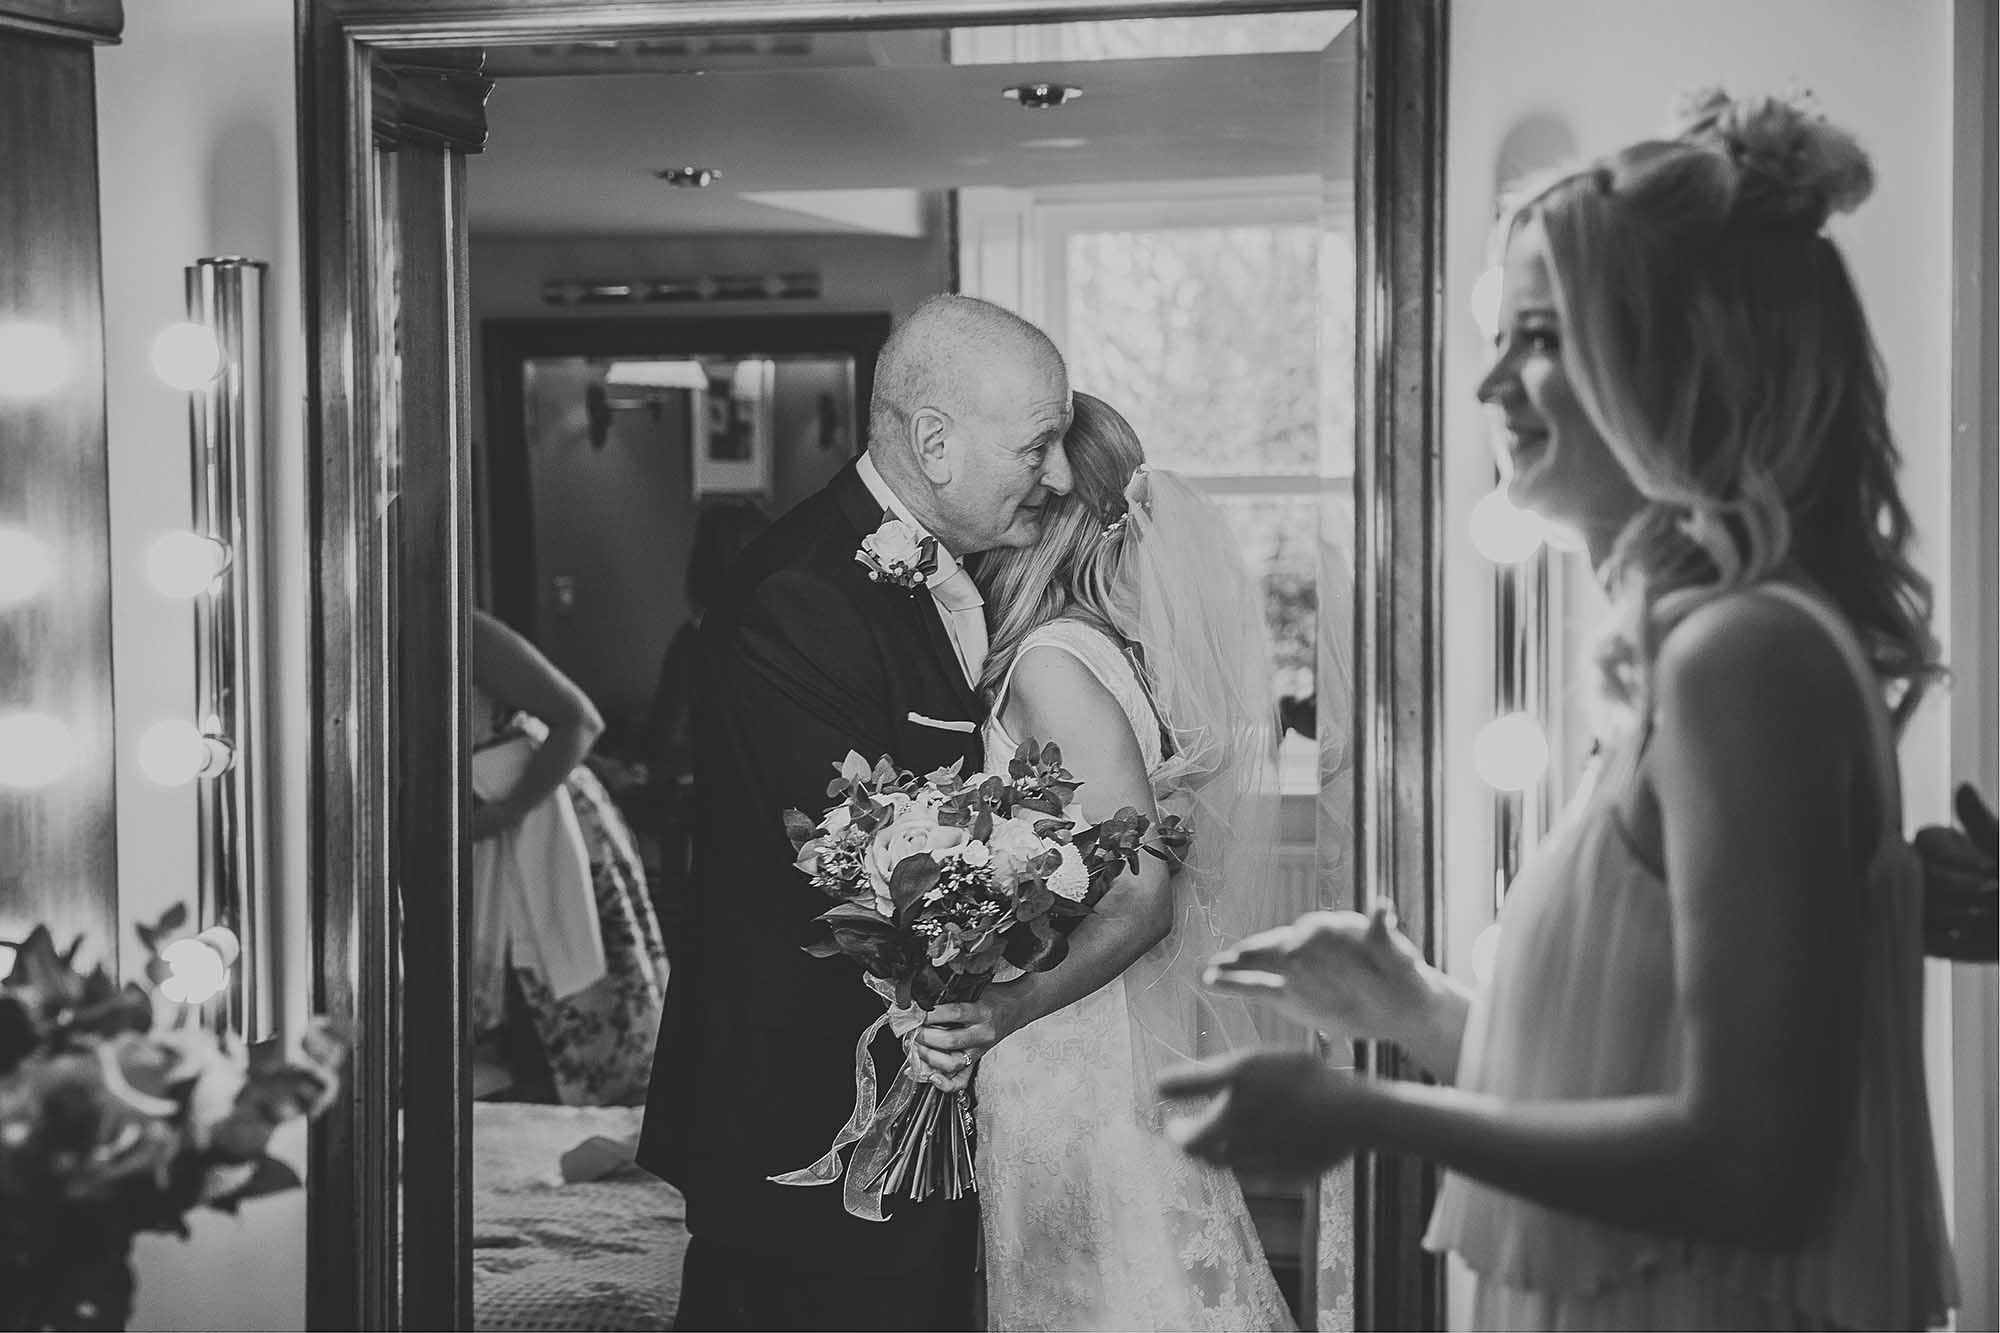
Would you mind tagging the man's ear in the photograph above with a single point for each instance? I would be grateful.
(930, 441)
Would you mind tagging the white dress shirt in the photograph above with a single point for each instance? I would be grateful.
(950, 585)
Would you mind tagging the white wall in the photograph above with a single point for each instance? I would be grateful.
(1610, 70)
(198, 157)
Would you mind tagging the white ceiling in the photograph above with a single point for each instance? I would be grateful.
(574, 156)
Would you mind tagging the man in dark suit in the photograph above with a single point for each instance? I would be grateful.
(804, 658)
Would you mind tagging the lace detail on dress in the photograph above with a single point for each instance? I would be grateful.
(1092, 1220)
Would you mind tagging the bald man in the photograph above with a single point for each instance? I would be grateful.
(803, 658)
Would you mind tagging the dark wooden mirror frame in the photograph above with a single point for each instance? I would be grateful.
(391, 101)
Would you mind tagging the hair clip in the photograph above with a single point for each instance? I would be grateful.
(1115, 526)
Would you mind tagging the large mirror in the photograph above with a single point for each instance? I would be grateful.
(635, 321)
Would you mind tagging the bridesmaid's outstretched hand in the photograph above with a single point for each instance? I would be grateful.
(1341, 971)
(1275, 1111)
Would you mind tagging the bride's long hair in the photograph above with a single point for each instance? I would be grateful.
(1072, 570)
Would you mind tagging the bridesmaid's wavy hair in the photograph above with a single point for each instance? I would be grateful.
(1072, 570)
(1715, 341)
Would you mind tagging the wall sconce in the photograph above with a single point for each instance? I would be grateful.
(217, 357)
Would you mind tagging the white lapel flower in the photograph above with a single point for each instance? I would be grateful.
(898, 553)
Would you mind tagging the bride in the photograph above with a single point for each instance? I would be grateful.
(1132, 638)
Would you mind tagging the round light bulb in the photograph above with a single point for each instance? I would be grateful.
(25, 566)
(187, 355)
(35, 358)
(1485, 298)
(174, 753)
(184, 564)
(1510, 752)
(196, 973)
(35, 749)
(1484, 946)
(223, 940)
(1502, 531)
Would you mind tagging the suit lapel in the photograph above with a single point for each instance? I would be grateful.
(857, 504)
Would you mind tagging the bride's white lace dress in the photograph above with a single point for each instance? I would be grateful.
(1093, 1220)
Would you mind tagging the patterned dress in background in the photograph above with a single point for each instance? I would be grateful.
(598, 1043)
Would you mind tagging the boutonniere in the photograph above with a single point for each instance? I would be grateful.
(896, 553)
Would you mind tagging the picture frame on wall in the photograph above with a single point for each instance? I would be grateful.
(731, 426)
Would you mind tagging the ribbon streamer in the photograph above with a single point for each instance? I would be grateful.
(867, 1119)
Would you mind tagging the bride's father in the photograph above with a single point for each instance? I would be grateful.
(803, 658)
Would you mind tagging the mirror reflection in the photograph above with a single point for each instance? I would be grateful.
(650, 250)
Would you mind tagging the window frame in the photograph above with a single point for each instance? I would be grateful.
(1057, 214)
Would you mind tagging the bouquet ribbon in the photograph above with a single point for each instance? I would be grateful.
(867, 1123)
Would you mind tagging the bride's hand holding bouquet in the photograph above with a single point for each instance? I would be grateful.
(943, 885)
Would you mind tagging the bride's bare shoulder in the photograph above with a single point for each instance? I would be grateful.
(1056, 696)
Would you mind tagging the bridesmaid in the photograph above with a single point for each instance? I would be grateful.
(1692, 1094)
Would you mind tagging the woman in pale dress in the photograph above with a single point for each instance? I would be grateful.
(532, 726)
(1092, 1220)
(1691, 1094)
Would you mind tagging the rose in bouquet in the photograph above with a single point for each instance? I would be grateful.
(120, 1114)
(943, 885)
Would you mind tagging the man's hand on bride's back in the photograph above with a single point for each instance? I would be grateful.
(1343, 972)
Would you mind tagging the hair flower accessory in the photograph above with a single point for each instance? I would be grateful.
(898, 553)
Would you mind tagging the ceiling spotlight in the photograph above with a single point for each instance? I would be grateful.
(1041, 96)
(690, 178)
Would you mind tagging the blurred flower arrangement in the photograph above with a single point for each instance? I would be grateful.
(120, 1113)
(942, 886)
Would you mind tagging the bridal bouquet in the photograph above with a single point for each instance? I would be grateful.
(119, 1114)
(942, 885)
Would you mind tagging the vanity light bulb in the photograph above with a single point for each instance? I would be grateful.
(1502, 531)
(25, 566)
(223, 940)
(196, 972)
(184, 564)
(187, 355)
(174, 753)
(1510, 752)
(35, 359)
(35, 749)
(1486, 303)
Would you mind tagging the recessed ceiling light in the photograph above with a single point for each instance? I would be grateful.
(690, 178)
(1041, 96)
(1065, 143)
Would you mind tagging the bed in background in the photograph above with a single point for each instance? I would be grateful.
(556, 1255)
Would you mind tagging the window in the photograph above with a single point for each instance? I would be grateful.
(1200, 317)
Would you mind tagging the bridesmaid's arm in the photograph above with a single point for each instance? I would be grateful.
(1054, 697)
(1755, 770)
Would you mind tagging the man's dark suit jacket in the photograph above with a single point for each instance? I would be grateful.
(802, 659)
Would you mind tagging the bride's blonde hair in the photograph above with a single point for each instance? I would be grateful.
(1072, 570)
(1715, 341)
